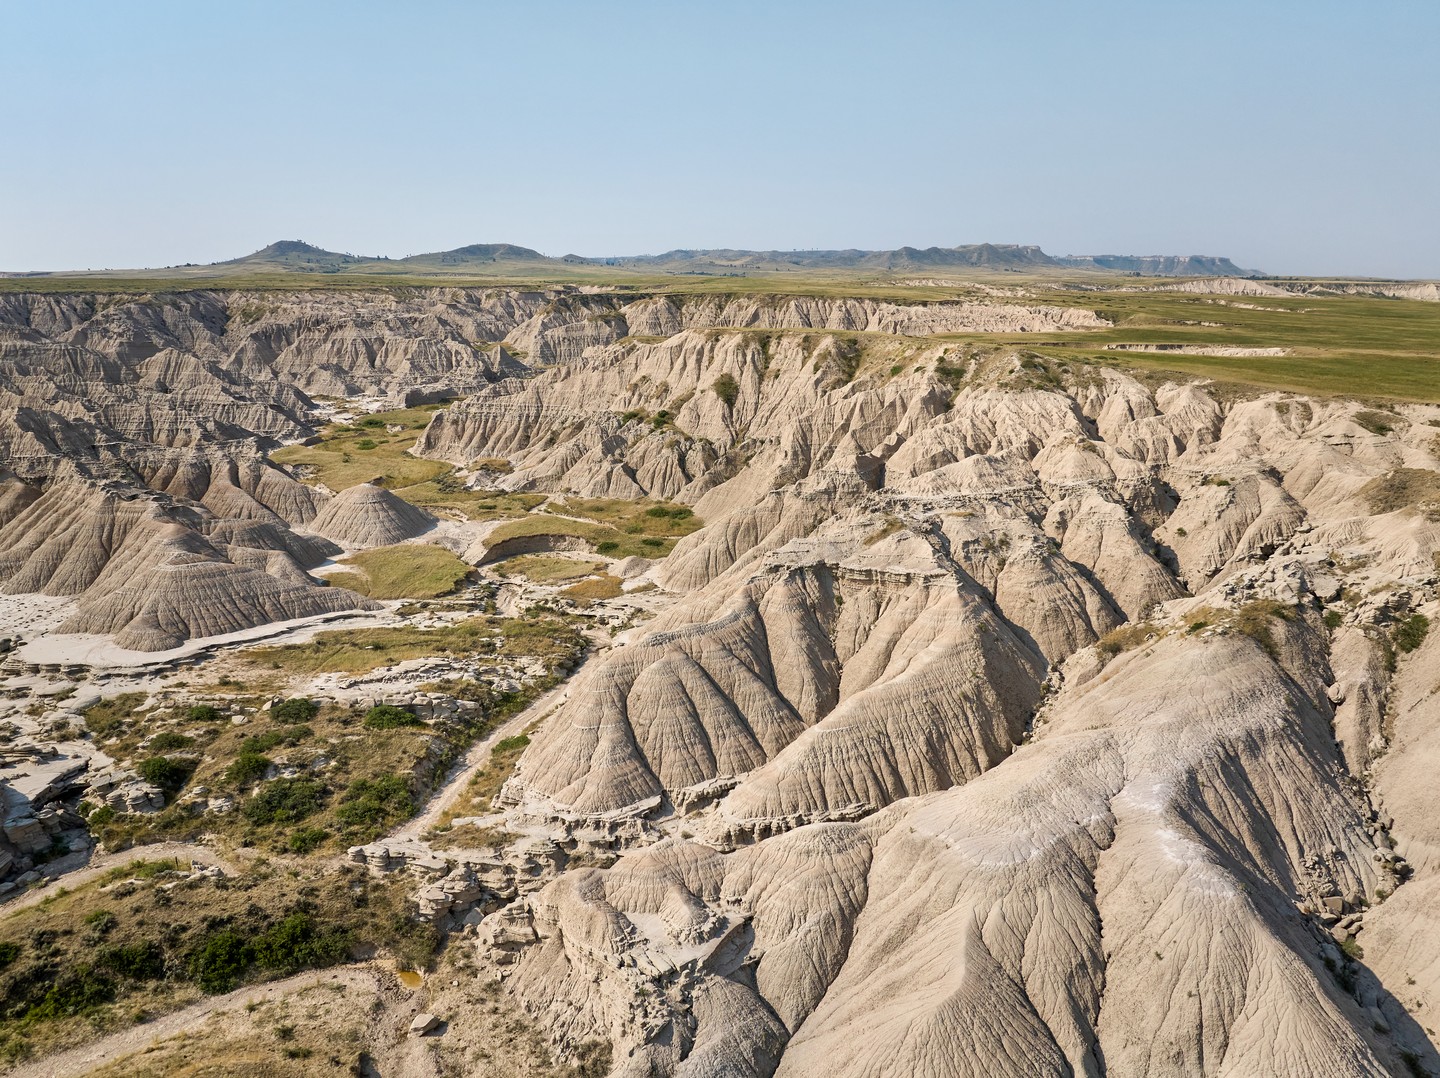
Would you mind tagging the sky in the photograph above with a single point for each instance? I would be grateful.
(1294, 136)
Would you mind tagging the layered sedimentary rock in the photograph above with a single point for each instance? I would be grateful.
(1007, 715)
(156, 572)
(983, 713)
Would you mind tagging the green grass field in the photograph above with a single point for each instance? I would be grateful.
(611, 526)
(406, 571)
(1338, 345)
(357, 453)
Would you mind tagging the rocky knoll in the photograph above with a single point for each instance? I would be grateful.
(367, 515)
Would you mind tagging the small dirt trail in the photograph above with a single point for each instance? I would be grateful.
(458, 777)
(116, 1046)
(184, 852)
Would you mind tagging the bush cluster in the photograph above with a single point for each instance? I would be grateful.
(295, 710)
(292, 944)
(166, 772)
(388, 717)
(284, 801)
(369, 804)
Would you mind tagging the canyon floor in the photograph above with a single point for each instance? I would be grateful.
(1002, 674)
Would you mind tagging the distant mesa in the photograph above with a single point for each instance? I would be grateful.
(1159, 265)
(298, 256)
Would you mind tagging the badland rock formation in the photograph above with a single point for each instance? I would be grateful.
(1009, 716)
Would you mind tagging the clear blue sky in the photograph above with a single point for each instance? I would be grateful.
(1296, 136)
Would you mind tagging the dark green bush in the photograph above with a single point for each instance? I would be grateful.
(727, 389)
(205, 713)
(370, 803)
(138, 961)
(8, 953)
(166, 772)
(220, 961)
(169, 741)
(289, 945)
(284, 801)
(1411, 632)
(306, 839)
(387, 717)
(81, 991)
(298, 709)
(297, 943)
(247, 768)
(289, 735)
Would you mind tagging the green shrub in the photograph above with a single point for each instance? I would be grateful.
(298, 709)
(101, 816)
(8, 953)
(388, 717)
(166, 772)
(307, 839)
(220, 961)
(139, 961)
(78, 992)
(99, 925)
(727, 389)
(1334, 619)
(370, 803)
(296, 943)
(169, 741)
(289, 735)
(1411, 632)
(205, 713)
(607, 547)
(510, 744)
(284, 801)
(247, 769)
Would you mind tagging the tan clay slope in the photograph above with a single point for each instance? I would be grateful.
(886, 571)
(1115, 898)
(1121, 889)
(155, 572)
